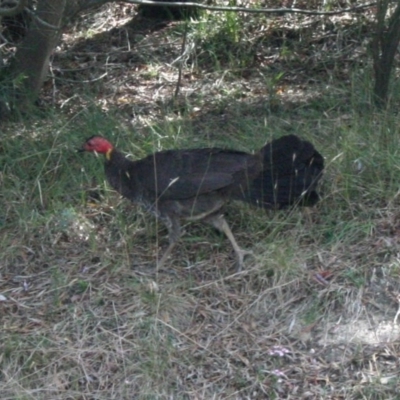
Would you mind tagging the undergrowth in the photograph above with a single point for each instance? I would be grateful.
(85, 313)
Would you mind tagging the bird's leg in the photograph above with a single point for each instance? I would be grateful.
(174, 233)
(220, 223)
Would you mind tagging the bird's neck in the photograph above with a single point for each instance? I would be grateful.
(116, 158)
(108, 154)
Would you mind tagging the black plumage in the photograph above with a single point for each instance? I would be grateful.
(289, 175)
(194, 184)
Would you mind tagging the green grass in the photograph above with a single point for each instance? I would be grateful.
(86, 314)
(96, 302)
(52, 236)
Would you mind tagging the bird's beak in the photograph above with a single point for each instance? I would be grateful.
(81, 149)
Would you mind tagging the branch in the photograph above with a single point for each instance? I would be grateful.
(41, 21)
(249, 10)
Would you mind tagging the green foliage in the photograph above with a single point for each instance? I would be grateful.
(222, 42)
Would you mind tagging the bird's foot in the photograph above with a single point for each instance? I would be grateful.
(241, 254)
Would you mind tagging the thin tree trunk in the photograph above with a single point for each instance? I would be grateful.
(33, 54)
(384, 48)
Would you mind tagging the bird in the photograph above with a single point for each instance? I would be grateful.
(195, 184)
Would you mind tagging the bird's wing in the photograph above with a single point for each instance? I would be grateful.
(195, 184)
(182, 174)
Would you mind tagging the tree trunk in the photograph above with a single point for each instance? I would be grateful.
(384, 47)
(33, 54)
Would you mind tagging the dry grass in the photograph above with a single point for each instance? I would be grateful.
(84, 313)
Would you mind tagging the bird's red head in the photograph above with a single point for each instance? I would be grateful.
(97, 144)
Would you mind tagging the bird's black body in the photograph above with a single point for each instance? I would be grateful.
(186, 176)
(195, 184)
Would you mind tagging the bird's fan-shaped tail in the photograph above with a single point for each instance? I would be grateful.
(290, 174)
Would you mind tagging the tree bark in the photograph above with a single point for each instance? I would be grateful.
(384, 47)
(33, 54)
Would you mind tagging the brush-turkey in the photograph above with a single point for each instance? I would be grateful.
(194, 184)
